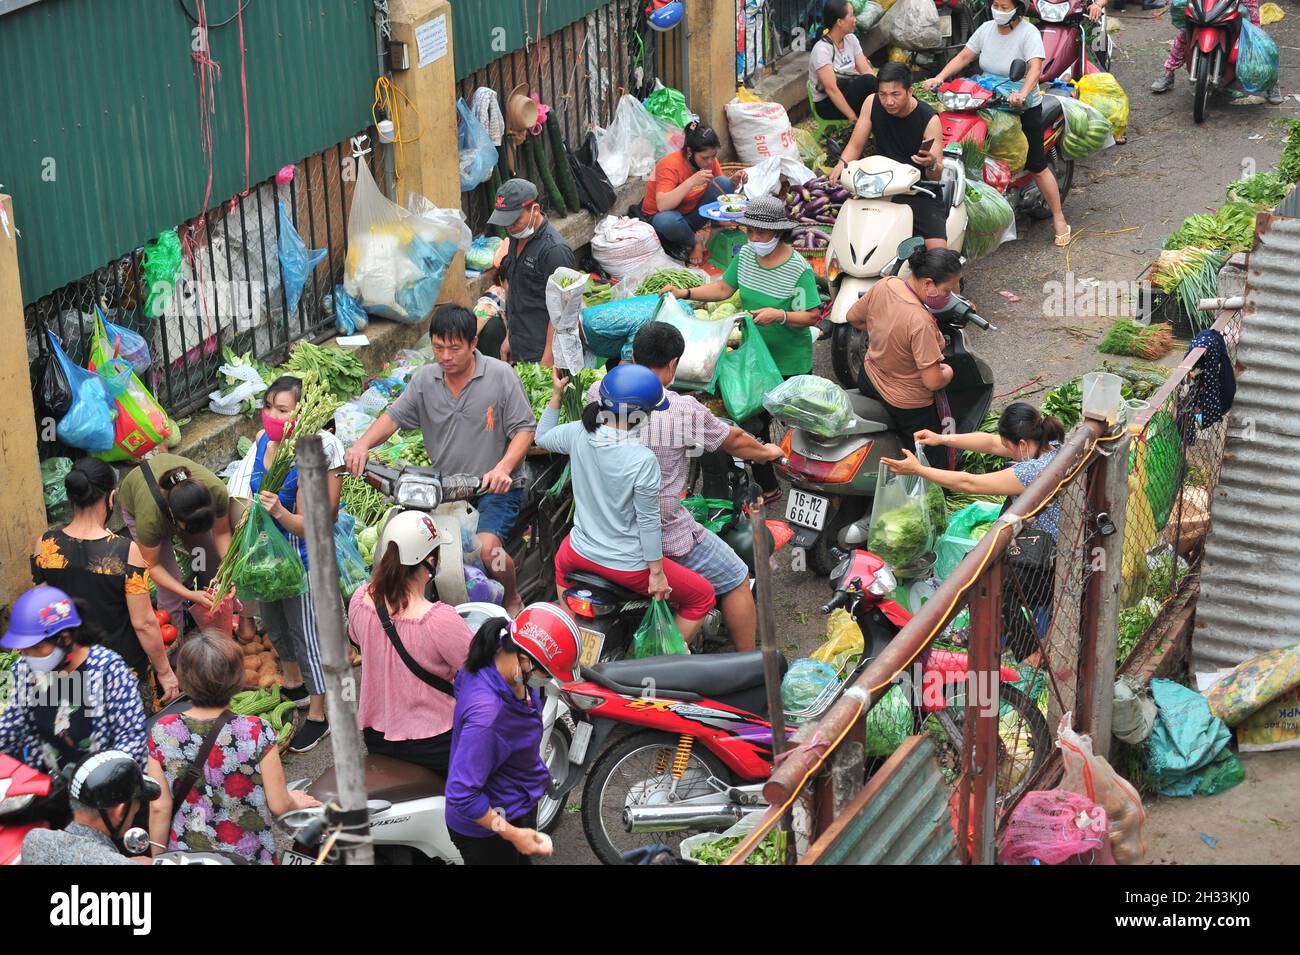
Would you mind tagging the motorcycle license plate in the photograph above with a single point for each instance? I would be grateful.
(945, 25)
(289, 857)
(806, 510)
(592, 644)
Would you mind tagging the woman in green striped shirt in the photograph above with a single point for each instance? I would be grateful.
(777, 287)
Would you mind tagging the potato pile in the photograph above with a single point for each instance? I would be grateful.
(261, 667)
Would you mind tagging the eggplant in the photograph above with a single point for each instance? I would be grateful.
(816, 205)
(796, 211)
(840, 195)
(828, 220)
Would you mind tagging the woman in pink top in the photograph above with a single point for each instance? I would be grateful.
(406, 704)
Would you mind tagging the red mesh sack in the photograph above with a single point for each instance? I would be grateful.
(1056, 827)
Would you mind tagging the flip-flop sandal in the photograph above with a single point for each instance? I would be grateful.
(1063, 239)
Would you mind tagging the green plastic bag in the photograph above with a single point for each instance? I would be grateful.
(658, 635)
(711, 513)
(746, 375)
(140, 424)
(668, 104)
(1164, 453)
(959, 540)
(889, 723)
(161, 264)
(53, 471)
(268, 567)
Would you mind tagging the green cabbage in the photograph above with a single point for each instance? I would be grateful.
(902, 536)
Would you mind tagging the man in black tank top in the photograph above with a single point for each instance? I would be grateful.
(901, 124)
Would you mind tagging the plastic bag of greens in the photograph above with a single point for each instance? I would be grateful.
(353, 570)
(1005, 139)
(296, 260)
(711, 513)
(706, 340)
(804, 682)
(1257, 59)
(746, 375)
(901, 529)
(53, 471)
(1103, 93)
(811, 402)
(889, 723)
(867, 13)
(268, 566)
(140, 424)
(989, 218)
(607, 330)
(658, 635)
(1086, 130)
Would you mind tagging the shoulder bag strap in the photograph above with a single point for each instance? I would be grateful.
(185, 782)
(437, 682)
(151, 483)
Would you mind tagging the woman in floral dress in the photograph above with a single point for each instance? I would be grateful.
(231, 806)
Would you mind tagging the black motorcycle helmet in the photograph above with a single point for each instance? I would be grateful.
(110, 778)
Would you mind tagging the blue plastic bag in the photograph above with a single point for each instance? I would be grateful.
(349, 317)
(432, 259)
(478, 157)
(130, 345)
(89, 422)
(608, 329)
(353, 573)
(296, 261)
(804, 682)
(1257, 59)
(117, 374)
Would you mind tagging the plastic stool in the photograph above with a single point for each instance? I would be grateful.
(824, 126)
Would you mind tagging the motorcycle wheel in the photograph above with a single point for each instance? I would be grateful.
(848, 349)
(1063, 169)
(627, 774)
(550, 810)
(1202, 95)
(1021, 723)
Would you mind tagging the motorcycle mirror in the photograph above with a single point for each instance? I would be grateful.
(1018, 70)
(908, 246)
(136, 841)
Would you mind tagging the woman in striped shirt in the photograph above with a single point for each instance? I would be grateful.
(777, 287)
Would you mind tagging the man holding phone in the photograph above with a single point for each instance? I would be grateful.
(907, 131)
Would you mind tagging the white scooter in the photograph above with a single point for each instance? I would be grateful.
(869, 229)
(406, 801)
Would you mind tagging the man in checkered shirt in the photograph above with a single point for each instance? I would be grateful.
(685, 430)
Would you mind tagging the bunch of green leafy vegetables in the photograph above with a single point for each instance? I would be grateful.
(537, 385)
(902, 536)
(1133, 623)
(771, 851)
(1263, 190)
(1288, 167)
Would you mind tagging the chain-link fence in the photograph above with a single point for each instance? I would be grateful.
(224, 289)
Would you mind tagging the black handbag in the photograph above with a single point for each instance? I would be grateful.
(1032, 549)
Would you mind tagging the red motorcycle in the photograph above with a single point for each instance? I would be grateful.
(701, 745)
(1213, 30)
(27, 801)
(1065, 29)
(963, 99)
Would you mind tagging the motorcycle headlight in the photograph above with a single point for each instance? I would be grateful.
(15, 804)
(884, 582)
(1053, 12)
(958, 101)
(422, 495)
(871, 185)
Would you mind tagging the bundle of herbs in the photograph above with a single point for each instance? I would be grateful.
(341, 371)
(1127, 337)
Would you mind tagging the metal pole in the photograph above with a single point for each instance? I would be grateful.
(340, 686)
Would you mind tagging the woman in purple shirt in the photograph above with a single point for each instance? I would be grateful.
(497, 776)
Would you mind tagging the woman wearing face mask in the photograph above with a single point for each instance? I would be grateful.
(497, 775)
(90, 563)
(413, 648)
(68, 697)
(778, 287)
(683, 181)
(1031, 441)
(904, 368)
(997, 44)
(617, 532)
(291, 623)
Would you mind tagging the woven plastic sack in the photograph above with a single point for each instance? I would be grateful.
(989, 216)
(1090, 775)
(901, 530)
(811, 402)
(889, 723)
(1005, 139)
(140, 424)
(1054, 827)
(1275, 726)
(746, 374)
(669, 105)
(623, 247)
(608, 328)
(1188, 750)
(1103, 93)
(1087, 131)
(657, 636)
(478, 157)
(1257, 59)
(88, 423)
(760, 130)
(804, 682)
(1254, 683)
(268, 566)
(129, 345)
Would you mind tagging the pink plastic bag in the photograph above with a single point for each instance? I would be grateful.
(1056, 827)
(221, 619)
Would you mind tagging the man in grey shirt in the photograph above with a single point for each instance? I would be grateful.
(476, 419)
(105, 792)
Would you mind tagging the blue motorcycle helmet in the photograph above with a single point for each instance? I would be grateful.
(667, 16)
(38, 615)
(629, 388)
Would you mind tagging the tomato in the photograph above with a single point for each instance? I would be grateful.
(163, 617)
(169, 634)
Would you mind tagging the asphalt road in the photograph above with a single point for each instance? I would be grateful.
(1123, 204)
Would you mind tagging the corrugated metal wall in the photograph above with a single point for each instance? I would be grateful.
(1250, 592)
(485, 30)
(101, 118)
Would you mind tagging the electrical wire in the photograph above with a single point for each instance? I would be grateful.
(214, 26)
(385, 101)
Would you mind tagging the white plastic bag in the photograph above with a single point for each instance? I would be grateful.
(705, 343)
(351, 421)
(761, 130)
(912, 24)
(564, 305)
(622, 246)
(633, 143)
(764, 178)
(250, 386)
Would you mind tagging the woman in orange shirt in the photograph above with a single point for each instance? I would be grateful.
(684, 181)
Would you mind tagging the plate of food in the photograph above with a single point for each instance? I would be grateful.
(721, 212)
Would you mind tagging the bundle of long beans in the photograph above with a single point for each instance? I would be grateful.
(315, 408)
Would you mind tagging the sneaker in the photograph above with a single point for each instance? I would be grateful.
(1275, 96)
(1164, 84)
(309, 734)
(298, 694)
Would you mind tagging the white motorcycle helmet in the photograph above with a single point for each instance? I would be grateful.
(414, 533)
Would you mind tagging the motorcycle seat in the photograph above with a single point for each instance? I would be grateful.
(870, 410)
(389, 779)
(596, 582)
(684, 677)
(1051, 106)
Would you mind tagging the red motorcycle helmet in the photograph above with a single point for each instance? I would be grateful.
(548, 635)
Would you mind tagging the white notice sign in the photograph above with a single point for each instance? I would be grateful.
(431, 40)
